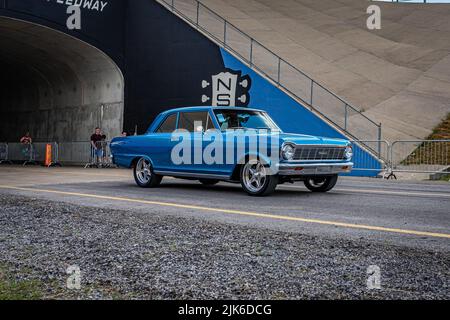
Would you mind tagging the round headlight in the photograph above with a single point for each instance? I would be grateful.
(349, 153)
(288, 151)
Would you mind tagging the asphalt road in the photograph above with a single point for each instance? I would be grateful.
(401, 213)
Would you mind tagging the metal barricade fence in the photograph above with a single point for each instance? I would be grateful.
(21, 153)
(108, 154)
(4, 158)
(428, 156)
(40, 153)
(71, 153)
(82, 153)
(74, 153)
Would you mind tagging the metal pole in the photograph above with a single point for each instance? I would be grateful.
(391, 155)
(279, 70)
(251, 52)
(345, 119)
(225, 33)
(379, 140)
(312, 92)
(198, 12)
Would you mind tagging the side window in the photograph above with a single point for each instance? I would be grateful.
(169, 125)
(187, 120)
(209, 123)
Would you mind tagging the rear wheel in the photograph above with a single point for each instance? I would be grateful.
(209, 182)
(256, 180)
(321, 184)
(144, 176)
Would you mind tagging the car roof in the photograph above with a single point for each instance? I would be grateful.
(169, 112)
(202, 108)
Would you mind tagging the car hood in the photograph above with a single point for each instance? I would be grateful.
(302, 139)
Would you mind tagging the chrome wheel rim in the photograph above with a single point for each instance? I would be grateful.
(254, 176)
(143, 171)
(317, 183)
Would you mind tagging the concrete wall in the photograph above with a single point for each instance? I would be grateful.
(55, 86)
(399, 75)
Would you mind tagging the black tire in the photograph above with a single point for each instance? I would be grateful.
(265, 188)
(147, 180)
(321, 184)
(209, 182)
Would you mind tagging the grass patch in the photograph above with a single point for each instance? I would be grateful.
(433, 153)
(442, 131)
(445, 177)
(11, 289)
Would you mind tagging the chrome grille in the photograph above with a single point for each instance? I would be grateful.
(319, 153)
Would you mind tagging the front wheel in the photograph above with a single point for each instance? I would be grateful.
(321, 184)
(256, 180)
(144, 176)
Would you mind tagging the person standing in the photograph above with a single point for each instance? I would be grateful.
(27, 141)
(96, 146)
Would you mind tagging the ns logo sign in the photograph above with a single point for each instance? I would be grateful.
(227, 89)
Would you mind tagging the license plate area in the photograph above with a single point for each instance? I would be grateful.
(325, 169)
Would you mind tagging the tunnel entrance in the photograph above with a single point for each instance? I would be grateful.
(55, 86)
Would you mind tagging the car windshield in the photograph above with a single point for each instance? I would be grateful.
(242, 119)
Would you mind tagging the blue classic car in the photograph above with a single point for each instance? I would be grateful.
(240, 145)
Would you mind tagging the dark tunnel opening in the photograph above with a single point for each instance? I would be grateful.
(55, 86)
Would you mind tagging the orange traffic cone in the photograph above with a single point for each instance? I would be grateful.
(48, 155)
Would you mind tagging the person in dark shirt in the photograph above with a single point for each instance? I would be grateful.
(96, 144)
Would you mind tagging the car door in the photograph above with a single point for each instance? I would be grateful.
(161, 144)
(214, 139)
(193, 123)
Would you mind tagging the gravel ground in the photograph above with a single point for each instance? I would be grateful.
(131, 255)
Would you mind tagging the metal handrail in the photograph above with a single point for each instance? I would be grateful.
(170, 5)
(410, 1)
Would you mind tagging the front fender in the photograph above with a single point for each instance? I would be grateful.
(263, 158)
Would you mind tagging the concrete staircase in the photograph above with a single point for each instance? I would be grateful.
(399, 75)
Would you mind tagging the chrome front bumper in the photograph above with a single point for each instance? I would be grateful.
(312, 169)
